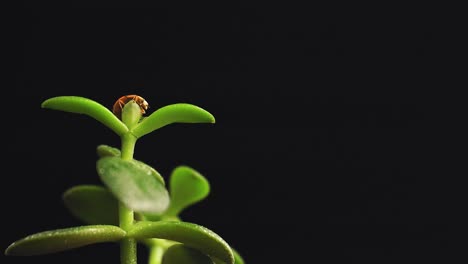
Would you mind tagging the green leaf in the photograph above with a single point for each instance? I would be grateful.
(154, 173)
(133, 184)
(92, 204)
(131, 114)
(192, 235)
(81, 105)
(64, 239)
(181, 254)
(237, 257)
(107, 151)
(187, 186)
(175, 113)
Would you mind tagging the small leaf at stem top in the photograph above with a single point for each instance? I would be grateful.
(64, 239)
(133, 184)
(174, 113)
(82, 105)
(131, 114)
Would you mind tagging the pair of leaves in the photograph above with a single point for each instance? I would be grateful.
(97, 205)
(174, 113)
(141, 188)
(191, 235)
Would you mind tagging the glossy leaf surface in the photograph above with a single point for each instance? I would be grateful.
(133, 184)
(192, 235)
(154, 173)
(92, 204)
(175, 113)
(181, 254)
(81, 105)
(64, 239)
(108, 151)
(187, 186)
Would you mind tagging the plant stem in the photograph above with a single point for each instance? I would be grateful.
(156, 248)
(128, 251)
(128, 146)
(155, 254)
(128, 247)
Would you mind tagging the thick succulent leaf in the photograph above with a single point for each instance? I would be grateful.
(181, 254)
(92, 204)
(154, 173)
(187, 186)
(192, 235)
(133, 184)
(174, 113)
(81, 105)
(64, 239)
(237, 257)
(107, 151)
(131, 114)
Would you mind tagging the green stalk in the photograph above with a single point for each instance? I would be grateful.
(156, 248)
(128, 247)
(155, 254)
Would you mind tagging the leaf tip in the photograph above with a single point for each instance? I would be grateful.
(11, 250)
(212, 119)
(8, 250)
(45, 103)
(209, 117)
(66, 195)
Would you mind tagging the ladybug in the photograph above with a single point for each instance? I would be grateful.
(119, 104)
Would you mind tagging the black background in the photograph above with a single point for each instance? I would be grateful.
(328, 143)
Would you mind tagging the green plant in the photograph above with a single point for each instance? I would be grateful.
(134, 205)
